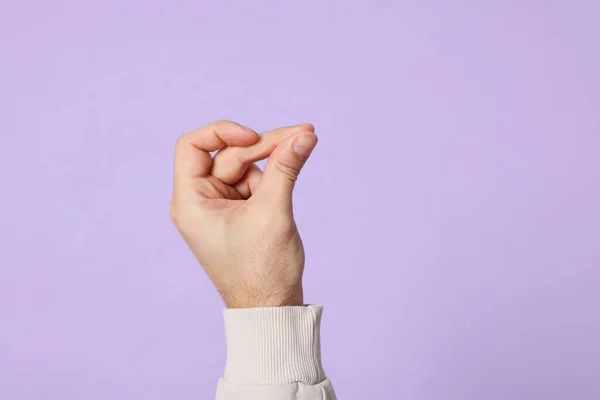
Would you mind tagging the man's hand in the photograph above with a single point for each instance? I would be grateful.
(237, 220)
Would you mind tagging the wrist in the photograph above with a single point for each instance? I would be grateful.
(258, 299)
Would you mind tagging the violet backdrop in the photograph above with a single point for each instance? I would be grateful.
(451, 213)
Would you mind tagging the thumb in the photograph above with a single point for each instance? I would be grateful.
(283, 168)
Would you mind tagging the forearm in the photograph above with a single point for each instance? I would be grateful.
(274, 354)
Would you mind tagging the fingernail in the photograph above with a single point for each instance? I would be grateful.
(304, 144)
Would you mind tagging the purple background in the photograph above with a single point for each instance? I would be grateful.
(450, 214)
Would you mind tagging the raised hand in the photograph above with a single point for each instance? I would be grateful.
(238, 220)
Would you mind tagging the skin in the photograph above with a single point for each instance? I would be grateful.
(238, 220)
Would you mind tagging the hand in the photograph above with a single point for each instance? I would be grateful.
(237, 220)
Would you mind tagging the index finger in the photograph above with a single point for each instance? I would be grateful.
(192, 152)
(230, 164)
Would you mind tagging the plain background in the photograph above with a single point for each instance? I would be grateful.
(451, 212)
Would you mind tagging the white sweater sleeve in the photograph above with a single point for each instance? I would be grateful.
(274, 354)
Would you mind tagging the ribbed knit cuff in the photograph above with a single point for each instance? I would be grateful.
(275, 345)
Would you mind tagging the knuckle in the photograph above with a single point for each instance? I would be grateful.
(289, 170)
(174, 214)
(220, 123)
(182, 142)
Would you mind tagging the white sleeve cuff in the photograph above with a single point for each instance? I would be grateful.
(275, 345)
